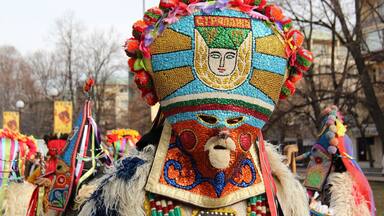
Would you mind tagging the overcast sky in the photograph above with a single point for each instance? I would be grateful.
(27, 24)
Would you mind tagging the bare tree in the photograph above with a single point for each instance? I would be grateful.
(17, 84)
(69, 39)
(104, 58)
(346, 25)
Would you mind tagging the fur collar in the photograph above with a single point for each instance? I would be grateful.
(119, 194)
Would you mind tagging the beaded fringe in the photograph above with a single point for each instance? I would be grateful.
(257, 206)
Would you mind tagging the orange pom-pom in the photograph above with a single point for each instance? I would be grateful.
(274, 13)
(131, 47)
(138, 28)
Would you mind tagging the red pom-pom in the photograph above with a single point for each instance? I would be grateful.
(143, 80)
(274, 13)
(131, 47)
(151, 98)
(138, 28)
(295, 38)
(168, 4)
(290, 86)
(295, 77)
(131, 63)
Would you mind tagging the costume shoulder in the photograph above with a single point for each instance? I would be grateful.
(291, 194)
(121, 190)
(344, 196)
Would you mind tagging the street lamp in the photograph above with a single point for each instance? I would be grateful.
(83, 77)
(53, 92)
(20, 104)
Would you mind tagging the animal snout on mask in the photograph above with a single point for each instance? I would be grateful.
(219, 149)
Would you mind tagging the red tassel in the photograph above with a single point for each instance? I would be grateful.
(33, 202)
(269, 183)
(151, 98)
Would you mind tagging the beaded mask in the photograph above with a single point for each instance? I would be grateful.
(218, 68)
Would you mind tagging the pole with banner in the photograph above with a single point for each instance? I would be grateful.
(11, 121)
(62, 120)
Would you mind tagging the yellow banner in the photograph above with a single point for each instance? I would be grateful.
(62, 117)
(11, 121)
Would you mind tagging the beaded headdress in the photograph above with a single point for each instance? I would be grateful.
(170, 56)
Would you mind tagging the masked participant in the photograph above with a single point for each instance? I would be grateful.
(335, 182)
(46, 174)
(218, 68)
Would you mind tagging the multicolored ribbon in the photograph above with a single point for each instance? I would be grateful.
(9, 152)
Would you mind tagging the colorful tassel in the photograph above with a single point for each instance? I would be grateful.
(294, 39)
(304, 59)
(152, 15)
(286, 23)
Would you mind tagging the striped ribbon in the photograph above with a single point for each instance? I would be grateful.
(124, 149)
(83, 145)
(6, 154)
(93, 168)
(117, 149)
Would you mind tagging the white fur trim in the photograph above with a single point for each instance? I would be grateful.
(291, 194)
(17, 197)
(127, 196)
(342, 199)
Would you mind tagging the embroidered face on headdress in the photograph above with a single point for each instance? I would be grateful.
(218, 73)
